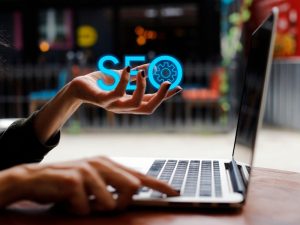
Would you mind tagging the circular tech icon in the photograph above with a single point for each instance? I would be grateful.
(165, 68)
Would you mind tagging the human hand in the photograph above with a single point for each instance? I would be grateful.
(81, 186)
(86, 89)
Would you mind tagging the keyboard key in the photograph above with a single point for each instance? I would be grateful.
(190, 187)
(217, 179)
(179, 174)
(165, 175)
(156, 168)
(168, 170)
(205, 179)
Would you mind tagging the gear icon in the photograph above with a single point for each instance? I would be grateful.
(165, 68)
(165, 71)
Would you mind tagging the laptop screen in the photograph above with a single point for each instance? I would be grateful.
(254, 90)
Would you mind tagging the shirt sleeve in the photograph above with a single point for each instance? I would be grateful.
(19, 144)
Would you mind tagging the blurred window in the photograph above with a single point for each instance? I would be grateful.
(55, 29)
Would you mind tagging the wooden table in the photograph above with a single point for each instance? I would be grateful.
(274, 198)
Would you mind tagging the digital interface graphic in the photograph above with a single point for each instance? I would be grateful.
(165, 68)
(162, 68)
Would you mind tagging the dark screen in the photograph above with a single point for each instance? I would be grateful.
(253, 90)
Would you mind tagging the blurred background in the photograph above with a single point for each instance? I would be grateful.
(51, 42)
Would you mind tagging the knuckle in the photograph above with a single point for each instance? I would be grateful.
(97, 161)
(72, 180)
(84, 168)
(76, 82)
(126, 79)
(104, 158)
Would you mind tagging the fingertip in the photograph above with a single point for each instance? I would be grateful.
(174, 193)
(168, 84)
(128, 68)
(178, 89)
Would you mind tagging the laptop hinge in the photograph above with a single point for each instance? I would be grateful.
(236, 178)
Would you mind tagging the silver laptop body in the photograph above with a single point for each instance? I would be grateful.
(218, 182)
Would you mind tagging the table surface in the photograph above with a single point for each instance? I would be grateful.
(273, 198)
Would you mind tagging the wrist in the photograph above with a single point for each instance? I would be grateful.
(56, 112)
(70, 95)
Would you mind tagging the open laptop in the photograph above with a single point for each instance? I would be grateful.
(218, 182)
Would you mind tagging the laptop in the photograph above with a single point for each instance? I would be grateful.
(218, 182)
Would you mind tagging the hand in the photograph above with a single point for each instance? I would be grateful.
(75, 183)
(86, 89)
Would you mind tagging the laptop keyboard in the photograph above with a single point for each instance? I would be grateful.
(191, 178)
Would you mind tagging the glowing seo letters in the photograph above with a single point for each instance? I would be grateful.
(161, 69)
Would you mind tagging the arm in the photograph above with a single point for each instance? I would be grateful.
(84, 89)
(29, 140)
(19, 144)
(80, 186)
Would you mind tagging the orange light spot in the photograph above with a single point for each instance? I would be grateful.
(141, 40)
(139, 30)
(151, 34)
(44, 46)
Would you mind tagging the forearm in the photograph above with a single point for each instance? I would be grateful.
(55, 113)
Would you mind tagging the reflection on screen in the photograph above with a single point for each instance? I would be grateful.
(252, 92)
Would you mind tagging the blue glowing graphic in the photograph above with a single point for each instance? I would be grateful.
(128, 60)
(108, 72)
(165, 68)
(161, 69)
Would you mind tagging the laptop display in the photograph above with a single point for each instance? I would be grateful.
(254, 91)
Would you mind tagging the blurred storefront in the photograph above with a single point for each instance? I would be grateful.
(206, 36)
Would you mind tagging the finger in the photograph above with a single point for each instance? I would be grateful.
(170, 94)
(78, 200)
(150, 106)
(173, 92)
(148, 181)
(134, 102)
(142, 67)
(96, 186)
(138, 94)
(125, 183)
(120, 90)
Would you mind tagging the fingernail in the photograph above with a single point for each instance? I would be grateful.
(128, 69)
(178, 90)
(143, 73)
(168, 85)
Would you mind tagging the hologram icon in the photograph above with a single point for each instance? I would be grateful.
(165, 68)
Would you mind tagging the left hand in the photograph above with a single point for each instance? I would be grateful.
(86, 89)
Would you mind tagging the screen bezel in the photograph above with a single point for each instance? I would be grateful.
(272, 17)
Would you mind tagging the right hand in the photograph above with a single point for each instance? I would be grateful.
(74, 183)
(86, 89)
